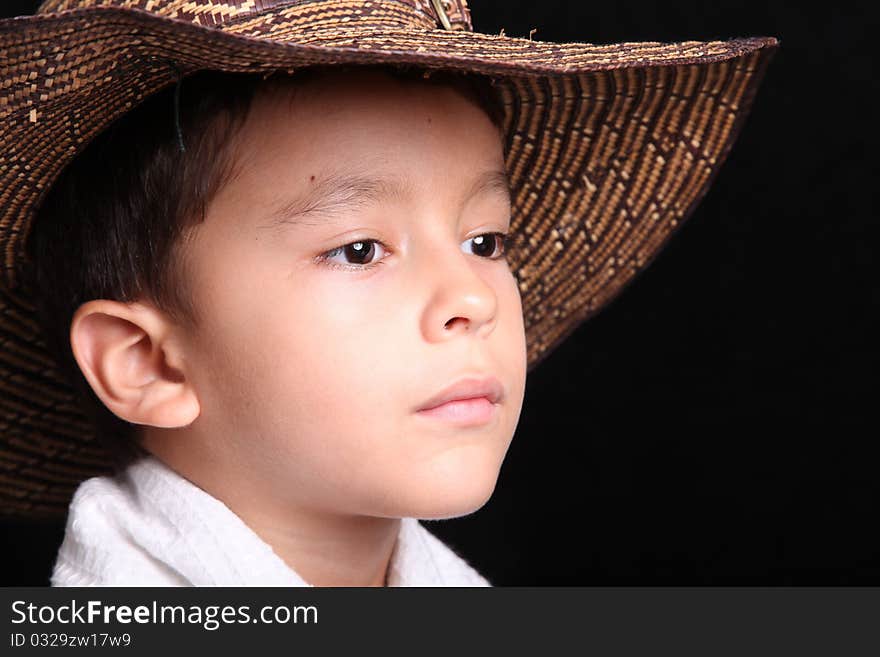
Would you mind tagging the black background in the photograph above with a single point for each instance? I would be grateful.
(713, 425)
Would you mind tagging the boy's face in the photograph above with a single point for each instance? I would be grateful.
(309, 377)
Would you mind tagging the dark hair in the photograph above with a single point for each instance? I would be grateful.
(113, 224)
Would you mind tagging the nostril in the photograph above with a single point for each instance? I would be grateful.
(451, 323)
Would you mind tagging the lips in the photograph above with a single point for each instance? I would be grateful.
(467, 388)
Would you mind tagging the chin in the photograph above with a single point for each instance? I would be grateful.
(454, 495)
(448, 512)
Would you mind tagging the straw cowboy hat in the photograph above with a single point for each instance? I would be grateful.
(609, 150)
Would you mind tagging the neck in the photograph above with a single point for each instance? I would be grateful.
(332, 550)
(323, 547)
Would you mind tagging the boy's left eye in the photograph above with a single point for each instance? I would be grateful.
(360, 254)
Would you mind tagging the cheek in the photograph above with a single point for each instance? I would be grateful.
(323, 350)
(334, 327)
(511, 315)
(514, 358)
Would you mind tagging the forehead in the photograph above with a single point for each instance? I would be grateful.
(329, 102)
(340, 139)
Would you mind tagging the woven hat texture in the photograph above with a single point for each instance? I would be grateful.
(609, 150)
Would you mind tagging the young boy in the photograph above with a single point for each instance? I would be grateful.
(348, 270)
(292, 305)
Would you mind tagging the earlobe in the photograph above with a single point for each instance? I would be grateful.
(127, 353)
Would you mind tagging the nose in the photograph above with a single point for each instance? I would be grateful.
(460, 300)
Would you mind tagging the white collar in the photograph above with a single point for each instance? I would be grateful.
(149, 526)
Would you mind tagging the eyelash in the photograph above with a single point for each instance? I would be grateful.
(507, 242)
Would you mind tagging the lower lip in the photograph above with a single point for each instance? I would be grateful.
(463, 412)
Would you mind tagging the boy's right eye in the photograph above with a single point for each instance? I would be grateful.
(357, 251)
(492, 246)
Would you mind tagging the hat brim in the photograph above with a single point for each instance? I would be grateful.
(609, 150)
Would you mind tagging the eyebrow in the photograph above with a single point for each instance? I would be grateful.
(333, 194)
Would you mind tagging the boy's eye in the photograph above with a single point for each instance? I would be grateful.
(357, 253)
(361, 254)
(487, 244)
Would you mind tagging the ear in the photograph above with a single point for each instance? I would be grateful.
(130, 356)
